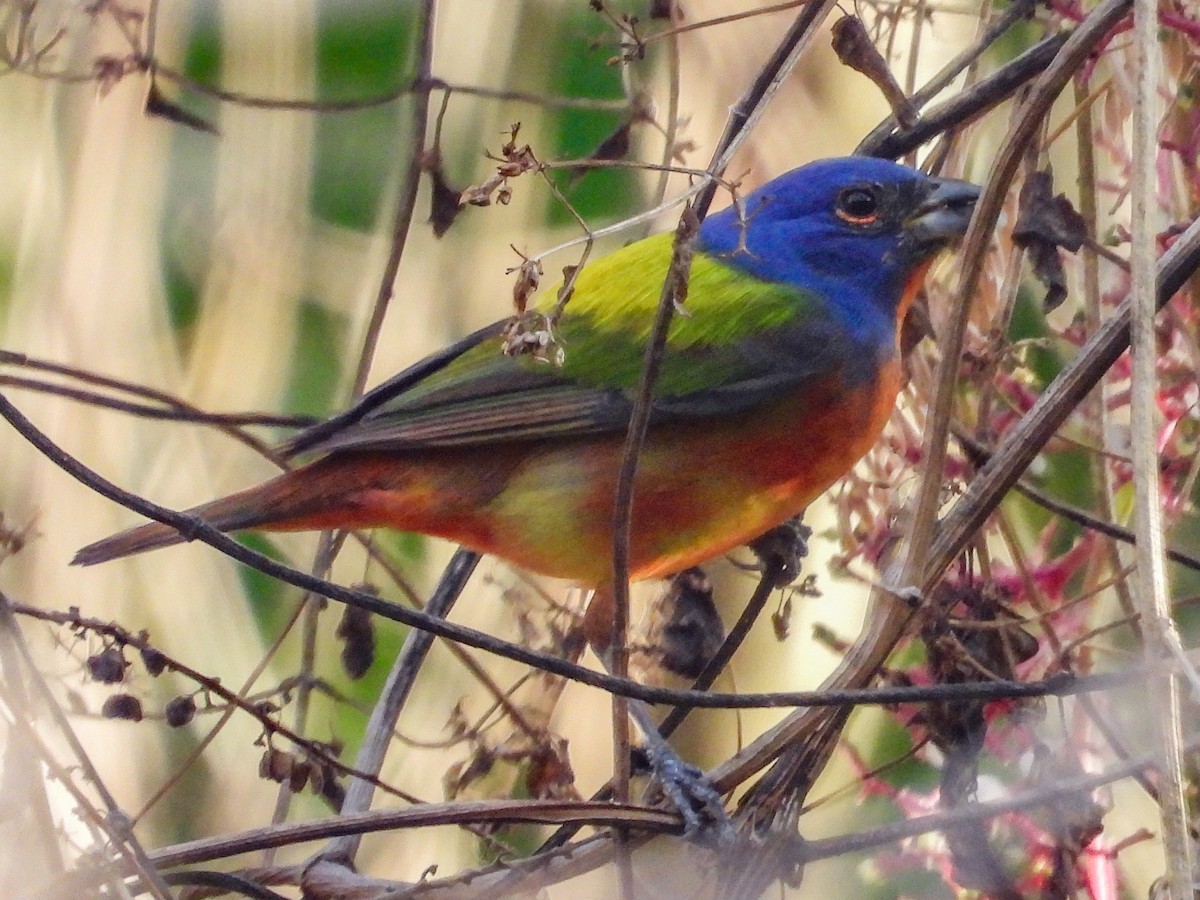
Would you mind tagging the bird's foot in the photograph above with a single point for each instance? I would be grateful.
(783, 548)
(698, 801)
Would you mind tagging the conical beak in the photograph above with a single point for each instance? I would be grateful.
(942, 216)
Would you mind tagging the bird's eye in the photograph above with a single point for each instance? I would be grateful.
(858, 205)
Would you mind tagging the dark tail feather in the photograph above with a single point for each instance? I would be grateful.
(246, 509)
(126, 543)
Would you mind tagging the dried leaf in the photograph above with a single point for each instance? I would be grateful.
(445, 200)
(276, 765)
(331, 787)
(615, 146)
(549, 775)
(781, 620)
(533, 334)
(1045, 223)
(160, 106)
(109, 70)
(529, 277)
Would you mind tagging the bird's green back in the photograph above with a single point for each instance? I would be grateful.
(738, 342)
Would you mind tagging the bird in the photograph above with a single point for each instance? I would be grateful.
(778, 374)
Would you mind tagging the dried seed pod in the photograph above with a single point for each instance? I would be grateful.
(107, 666)
(276, 765)
(154, 661)
(122, 706)
(301, 772)
(180, 710)
(332, 790)
(358, 635)
(693, 632)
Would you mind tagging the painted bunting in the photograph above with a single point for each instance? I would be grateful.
(778, 375)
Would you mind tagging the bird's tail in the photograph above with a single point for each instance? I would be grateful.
(275, 505)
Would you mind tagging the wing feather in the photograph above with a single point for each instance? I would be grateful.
(762, 341)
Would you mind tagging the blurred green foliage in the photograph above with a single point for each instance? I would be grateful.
(363, 49)
(317, 363)
(191, 175)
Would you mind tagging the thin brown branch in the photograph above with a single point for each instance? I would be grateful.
(113, 822)
(426, 815)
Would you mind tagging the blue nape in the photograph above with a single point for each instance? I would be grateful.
(792, 235)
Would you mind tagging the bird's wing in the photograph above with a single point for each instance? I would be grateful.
(740, 343)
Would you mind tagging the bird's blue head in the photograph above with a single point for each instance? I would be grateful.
(853, 230)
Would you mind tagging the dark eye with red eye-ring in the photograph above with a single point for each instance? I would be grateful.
(858, 205)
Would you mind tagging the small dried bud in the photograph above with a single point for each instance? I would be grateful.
(154, 661)
(180, 711)
(107, 666)
(122, 706)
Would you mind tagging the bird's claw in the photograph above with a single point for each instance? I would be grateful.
(783, 548)
(698, 801)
